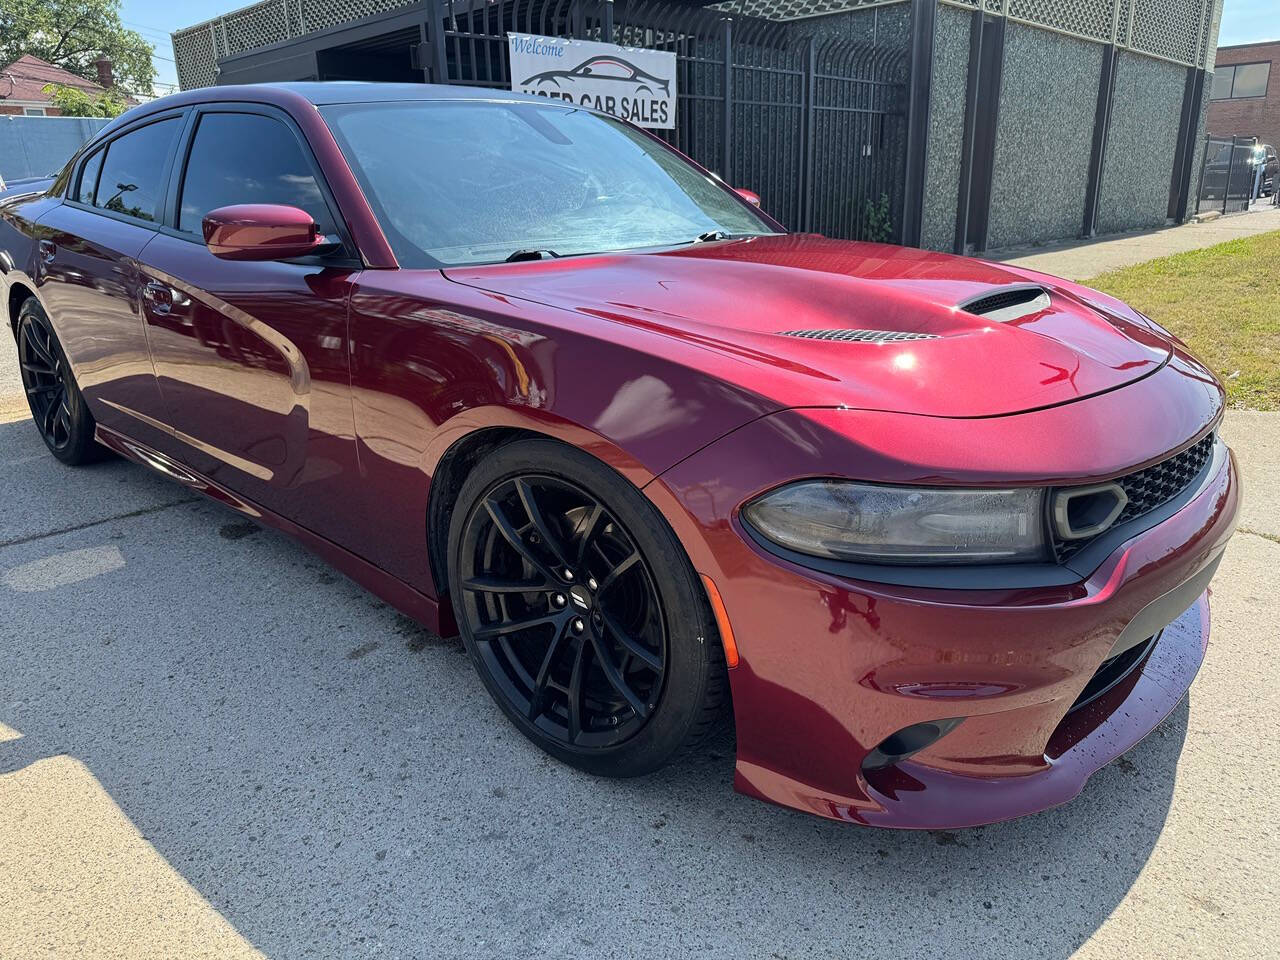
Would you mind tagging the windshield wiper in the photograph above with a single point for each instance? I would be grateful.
(712, 235)
(531, 254)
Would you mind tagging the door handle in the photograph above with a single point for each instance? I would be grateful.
(47, 250)
(159, 296)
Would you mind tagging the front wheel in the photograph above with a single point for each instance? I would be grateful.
(57, 406)
(582, 612)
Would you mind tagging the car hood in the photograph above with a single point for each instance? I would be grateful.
(938, 339)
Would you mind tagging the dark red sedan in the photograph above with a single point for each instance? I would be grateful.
(937, 532)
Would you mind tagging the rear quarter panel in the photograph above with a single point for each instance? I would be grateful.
(19, 212)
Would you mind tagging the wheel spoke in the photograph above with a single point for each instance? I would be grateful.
(499, 585)
(538, 696)
(50, 417)
(517, 544)
(42, 351)
(43, 388)
(588, 533)
(489, 631)
(39, 370)
(530, 504)
(626, 564)
(575, 691)
(632, 644)
(64, 421)
(615, 678)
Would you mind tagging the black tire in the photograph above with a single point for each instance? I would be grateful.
(57, 405)
(673, 684)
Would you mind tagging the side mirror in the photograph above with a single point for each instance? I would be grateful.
(750, 196)
(262, 231)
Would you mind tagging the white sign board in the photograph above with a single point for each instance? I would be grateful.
(629, 82)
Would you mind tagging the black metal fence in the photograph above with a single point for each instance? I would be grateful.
(816, 127)
(1227, 174)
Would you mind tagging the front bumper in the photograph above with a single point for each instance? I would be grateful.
(830, 667)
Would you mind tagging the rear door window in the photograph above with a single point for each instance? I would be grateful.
(131, 180)
(248, 158)
(89, 178)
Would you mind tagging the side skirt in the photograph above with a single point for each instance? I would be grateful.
(413, 604)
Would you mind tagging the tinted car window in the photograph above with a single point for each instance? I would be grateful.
(456, 183)
(247, 158)
(89, 178)
(130, 180)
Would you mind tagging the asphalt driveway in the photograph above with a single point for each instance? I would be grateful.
(213, 745)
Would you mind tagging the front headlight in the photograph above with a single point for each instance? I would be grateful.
(868, 523)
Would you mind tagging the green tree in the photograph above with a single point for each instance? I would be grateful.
(73, 34)
(73, 102)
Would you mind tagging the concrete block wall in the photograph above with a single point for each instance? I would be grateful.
(38, 146)
(1044, 134)
(946, 127)
(1144, 135)
(1049, 94)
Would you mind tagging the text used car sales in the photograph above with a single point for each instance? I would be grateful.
(628, 82)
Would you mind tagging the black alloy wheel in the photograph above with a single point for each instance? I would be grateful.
(57, 406)
(564, 611)
(569, 604)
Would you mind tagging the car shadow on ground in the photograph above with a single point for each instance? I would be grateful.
(334, 780)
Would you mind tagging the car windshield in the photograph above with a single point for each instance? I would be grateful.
(473, 182)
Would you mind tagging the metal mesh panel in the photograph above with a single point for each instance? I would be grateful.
(794, 9)
(1168, 28)
(1086, 18)
(318, 14)
(193, 51)
(1177, 30)
(251, 27)
(197, 49)
(1209, 36)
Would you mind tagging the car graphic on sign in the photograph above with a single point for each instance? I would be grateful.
(601, 68)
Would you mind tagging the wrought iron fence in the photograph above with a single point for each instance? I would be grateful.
(1227, 174)
(816, 127)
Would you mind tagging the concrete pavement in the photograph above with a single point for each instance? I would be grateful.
(1076, 260)
(211, 745)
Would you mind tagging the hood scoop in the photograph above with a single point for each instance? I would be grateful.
(858, 336)
(1011, 303)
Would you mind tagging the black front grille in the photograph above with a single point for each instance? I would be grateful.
(1151, 488)
(1156, 486)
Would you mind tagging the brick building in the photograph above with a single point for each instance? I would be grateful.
(22, 85)
(1246, 92)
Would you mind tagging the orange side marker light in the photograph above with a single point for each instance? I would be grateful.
(722, 621)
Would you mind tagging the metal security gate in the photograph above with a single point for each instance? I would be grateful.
(816, 127)
(1227, 174)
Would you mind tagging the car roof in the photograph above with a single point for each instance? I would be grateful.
(320, 93)
(356, 91)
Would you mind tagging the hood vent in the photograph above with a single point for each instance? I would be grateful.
(858, 336)
(1009, 304)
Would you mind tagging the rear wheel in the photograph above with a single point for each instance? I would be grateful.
(57, 406)
(581, 611)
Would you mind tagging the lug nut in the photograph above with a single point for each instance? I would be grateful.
(559, 600)
(578, 625)
(591, 582)
(568, 574)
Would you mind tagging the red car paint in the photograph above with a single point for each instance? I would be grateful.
(325, 399)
